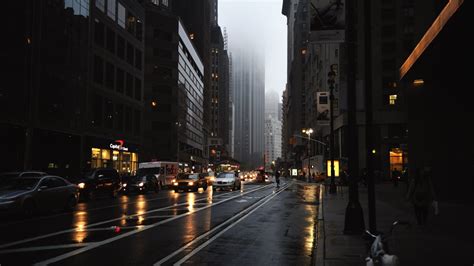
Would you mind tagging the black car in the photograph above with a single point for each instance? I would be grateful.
(6, 177)
(141, 184)
(29, 195)
(99, 181)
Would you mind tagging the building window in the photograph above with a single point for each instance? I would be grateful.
(111, 40)
(129, 85)
(120, 80)
(109, 76)
(392, 99)
(164, 2)
(130, 23)
(99, 32)
(121, 15)
(98, 70)
(80, 7)
(97, 111)
(120, 47)
(100, 4)
(130, 53)
(119, 117)
(109, 110)
(128, 119)
(137, 120)
(138, 59)
(111, 9)
(138, 89)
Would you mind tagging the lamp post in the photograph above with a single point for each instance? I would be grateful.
(331, 81)
(308, 132)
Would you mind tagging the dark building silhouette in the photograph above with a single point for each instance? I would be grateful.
(439, 107)
(174, 91)
(73, 85)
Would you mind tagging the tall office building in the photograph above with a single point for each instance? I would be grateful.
(72, 92)
(248, 72)
(174, 91)
(219, 115)
(272, 129)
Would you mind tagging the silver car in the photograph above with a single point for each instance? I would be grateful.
(28, 195)
(227, 180)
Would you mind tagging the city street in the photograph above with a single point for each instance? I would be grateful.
(260, 224)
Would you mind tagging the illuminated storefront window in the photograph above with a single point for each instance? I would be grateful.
(398, 159)
(124, 162)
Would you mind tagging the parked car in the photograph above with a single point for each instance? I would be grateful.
(6, 177)
(99, 181)
(227, 180)
(187, 181)
(141, 184)
(29, 195)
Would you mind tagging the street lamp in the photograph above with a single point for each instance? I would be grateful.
(308, 131)
(331, 81)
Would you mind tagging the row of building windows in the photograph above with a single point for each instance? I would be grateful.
(115, 78)
(79, 7)
(124, 17)
(107, 38)
(186, 54)
(115, 116)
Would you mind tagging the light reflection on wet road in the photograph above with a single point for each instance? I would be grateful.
(161, 223)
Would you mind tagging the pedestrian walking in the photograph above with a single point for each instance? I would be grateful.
(277, 178)
(421, 194)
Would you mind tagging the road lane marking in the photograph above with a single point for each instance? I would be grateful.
(108, 221)
(176, 252)
(139, 230)
(205, 244)
(41, 248)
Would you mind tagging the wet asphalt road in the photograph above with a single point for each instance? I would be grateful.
(258, 225)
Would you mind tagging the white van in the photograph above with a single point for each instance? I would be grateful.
(165, 172)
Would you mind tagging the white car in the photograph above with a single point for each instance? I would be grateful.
(226, 180)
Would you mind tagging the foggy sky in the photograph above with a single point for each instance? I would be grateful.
(258, 24)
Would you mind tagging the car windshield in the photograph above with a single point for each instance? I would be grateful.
(187, 176)
(21, 184)
(225, 175)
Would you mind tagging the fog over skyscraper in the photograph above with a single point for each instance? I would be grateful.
(249, 99)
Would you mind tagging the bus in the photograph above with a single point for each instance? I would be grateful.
(165, 172)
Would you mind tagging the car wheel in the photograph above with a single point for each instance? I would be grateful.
(29, 208)
(70, 204)
(157, 188)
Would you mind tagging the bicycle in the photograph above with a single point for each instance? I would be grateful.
(379, 253)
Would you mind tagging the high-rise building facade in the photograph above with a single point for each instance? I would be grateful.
(174, 91)
(77, 105)
(249, 98)
(219, 122)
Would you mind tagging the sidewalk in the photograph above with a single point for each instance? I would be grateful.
(446, 240)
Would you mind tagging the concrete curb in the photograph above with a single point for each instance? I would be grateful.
(320, 249)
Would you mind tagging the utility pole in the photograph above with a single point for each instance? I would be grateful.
(354, 218)
(368, 115)
(331, 81)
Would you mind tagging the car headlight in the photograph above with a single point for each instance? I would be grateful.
(174, 180)
(124, 185)
(141, 184)
(175, 183)
(191, 183)
(212, 178)
(81, 185)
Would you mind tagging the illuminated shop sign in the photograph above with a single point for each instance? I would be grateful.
(118, 145)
